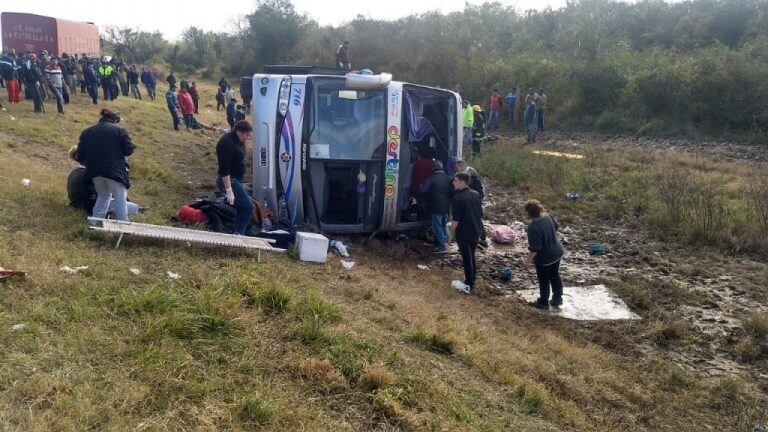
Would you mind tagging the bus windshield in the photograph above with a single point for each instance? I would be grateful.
(346, 124)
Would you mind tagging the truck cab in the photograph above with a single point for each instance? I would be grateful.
(334, 152)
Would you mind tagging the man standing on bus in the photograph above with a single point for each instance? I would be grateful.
(342, 56)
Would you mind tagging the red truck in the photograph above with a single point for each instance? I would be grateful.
(29, 32)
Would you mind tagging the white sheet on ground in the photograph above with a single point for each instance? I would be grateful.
(591, 303)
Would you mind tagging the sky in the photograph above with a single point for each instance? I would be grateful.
(168, 17)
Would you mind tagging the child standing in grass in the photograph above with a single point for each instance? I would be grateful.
(544, 251)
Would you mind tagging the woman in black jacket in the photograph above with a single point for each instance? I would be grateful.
(545, 251)
(103, 149)
(230, 152)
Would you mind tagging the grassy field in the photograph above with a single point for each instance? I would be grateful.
(281, 345)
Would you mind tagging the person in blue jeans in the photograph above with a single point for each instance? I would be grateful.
(102, 149)
(230, 153)
(173, 106)
(467, 121)
(437, 189)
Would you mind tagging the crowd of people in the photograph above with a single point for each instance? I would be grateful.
(44, 76)
(526, 109)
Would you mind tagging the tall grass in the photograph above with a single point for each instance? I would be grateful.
(677, 197)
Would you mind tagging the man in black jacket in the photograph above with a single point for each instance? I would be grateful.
(437, 191)
(477, 185)
(33, 80)
(467, 225)
(133, 81)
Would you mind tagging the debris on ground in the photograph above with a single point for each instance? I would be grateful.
(504, 234)
(573, 196)
(347, 264)
(4, 274)
(596, 249)
(25, 182)
(339, 246)
(70, 270)
(558, 154)
(172, 275)
(422, 267)
(17, 327)
(135, 271)
(312, 247)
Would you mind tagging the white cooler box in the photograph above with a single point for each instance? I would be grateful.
(312, 247)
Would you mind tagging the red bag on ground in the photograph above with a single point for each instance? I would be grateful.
(504, 234)
(190, 216)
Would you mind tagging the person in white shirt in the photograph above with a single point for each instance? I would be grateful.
(229, 94)
(55, 81)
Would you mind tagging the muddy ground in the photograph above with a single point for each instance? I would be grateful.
(697, 297)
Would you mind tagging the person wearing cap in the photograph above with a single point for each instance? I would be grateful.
(103, 149)
(231, 112)
(342, 56)
(437, 190)
(105, 71)
(478, 128)
(468, 120)
(173, 106)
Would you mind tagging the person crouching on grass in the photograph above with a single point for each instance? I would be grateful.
(467, 225)
(102, 149)
(545, 252)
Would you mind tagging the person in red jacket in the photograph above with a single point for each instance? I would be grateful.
(187, 107)
(495, 106)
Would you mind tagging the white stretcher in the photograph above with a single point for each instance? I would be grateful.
(180, 234)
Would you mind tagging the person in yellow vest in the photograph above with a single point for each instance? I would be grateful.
(468, 120)
(105, 78)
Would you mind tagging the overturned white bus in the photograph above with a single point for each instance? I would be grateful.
(334, 152)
